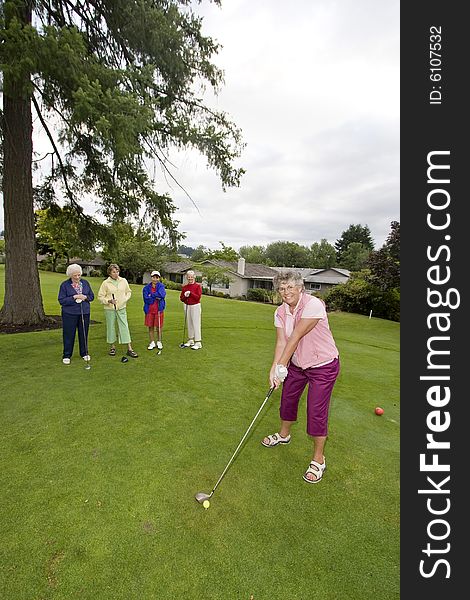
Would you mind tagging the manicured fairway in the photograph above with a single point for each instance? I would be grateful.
(98, 469)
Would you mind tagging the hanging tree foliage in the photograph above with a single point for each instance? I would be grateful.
(114, 84)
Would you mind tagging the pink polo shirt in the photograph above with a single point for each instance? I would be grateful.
(317, 347)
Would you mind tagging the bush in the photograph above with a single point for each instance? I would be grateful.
(260, 295)
(358, 296)
(60, 268)
(45, 266)
(172, 285)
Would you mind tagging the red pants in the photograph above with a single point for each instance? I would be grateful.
(153, 319)
(320, 382)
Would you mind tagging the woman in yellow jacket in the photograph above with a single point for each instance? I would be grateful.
(114, 294)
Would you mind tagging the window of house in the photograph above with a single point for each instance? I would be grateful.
(314, 286)
(266, 285)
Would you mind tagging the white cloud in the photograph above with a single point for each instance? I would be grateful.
(315, 88)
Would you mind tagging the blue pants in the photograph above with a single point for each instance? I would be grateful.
(70, 324)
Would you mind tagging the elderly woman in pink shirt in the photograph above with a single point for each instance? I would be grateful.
(305, 354)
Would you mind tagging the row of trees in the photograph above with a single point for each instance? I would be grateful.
(376, 287)
(60, 233)
(60, 236)
(351, 251)
(134, 248)
(373, 288)
(374, 283)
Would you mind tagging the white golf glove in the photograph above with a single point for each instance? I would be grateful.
(187, 294)
(78, 300)
(280, 372)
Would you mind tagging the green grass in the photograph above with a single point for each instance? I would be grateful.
(98, 469)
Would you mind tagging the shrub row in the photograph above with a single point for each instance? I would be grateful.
(359, 296)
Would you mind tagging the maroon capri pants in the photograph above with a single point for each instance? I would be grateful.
(321, 381)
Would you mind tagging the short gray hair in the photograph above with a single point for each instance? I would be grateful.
(190, 272)
(73, 268)
(111, 267)
(286, 277)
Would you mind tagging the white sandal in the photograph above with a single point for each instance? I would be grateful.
(317, 469)
(275, 439)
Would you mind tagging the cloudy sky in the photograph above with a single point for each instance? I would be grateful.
(314, 86)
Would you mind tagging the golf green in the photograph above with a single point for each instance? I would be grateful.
(99, 468)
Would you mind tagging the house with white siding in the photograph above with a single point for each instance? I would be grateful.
(244, 276)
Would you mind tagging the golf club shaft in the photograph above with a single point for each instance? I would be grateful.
(85, 337)
(271, 390)
(117, 324)
(159, 315)
(184, 326)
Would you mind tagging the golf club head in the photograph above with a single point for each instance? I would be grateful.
(182, 346)
(124, 359)
(202, 496)
(159, 352)
(88, 366)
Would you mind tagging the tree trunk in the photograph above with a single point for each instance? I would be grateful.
(23, 300)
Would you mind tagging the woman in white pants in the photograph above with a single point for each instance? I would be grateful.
(191, 296)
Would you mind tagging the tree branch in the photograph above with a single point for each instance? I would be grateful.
(74, 203)
(163, 160)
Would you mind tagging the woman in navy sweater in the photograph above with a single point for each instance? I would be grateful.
(75, 295)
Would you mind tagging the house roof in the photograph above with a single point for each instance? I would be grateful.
(258, 271)
(177, 267)
(94, 262)
(346, 272)
(331, 276)
(324, 279)
(252, 270)
(307, 273)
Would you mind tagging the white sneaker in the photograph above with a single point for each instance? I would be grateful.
(196, 346)
(151, 346)
(87, 358)
(66, 361)
(189, 343)
(159, 345)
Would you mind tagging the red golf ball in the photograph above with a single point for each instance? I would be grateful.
(379, 411)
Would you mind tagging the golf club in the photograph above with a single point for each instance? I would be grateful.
(159, 314)
(184, 326)
(85, 339)
(202, 496)
(117, 326)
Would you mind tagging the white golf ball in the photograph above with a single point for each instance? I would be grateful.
(206, 504)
